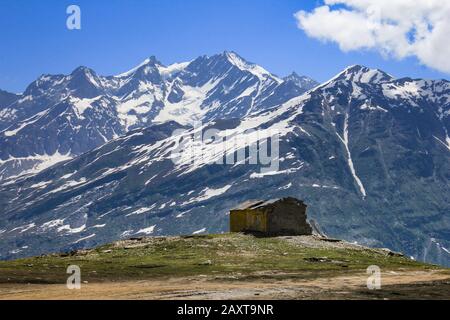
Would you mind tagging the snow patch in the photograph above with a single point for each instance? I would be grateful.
(41, 162)
(99, 226)
(25, 123)
(24, 228)
(52, 224)
(199, 231)
(345, 141)
(208, 193)
(257, 175)
(126, 233)
(85, 238)
(167, 72)
(69, 184)
(81, 105)
(141, 211)
(70, 230)
(147, 231)
(368, 106)
(41, 185)
(288, 186)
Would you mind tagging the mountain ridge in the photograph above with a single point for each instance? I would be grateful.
(220, 86)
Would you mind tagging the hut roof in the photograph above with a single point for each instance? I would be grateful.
(255, 204)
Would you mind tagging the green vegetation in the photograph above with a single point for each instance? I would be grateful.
(227, 256)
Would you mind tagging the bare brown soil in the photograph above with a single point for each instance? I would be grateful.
(395, 285)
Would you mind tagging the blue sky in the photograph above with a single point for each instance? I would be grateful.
(116, 35)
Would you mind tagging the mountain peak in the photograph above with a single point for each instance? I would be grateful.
(233, 56)
(301, 81)
(228, 57)
(237, 60)
(242, 64)
(293, 75)
(151, 61)
(363, 74)
(82, 70)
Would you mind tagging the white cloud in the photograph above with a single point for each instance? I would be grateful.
(397, 28)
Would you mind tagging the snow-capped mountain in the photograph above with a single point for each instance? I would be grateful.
(61, 116)
(301, 81)
(368, 153)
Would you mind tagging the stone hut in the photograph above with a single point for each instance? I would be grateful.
(280, 217)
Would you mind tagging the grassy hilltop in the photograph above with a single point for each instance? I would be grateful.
(222, 259)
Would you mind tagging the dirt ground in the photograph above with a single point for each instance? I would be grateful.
(405, 285)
